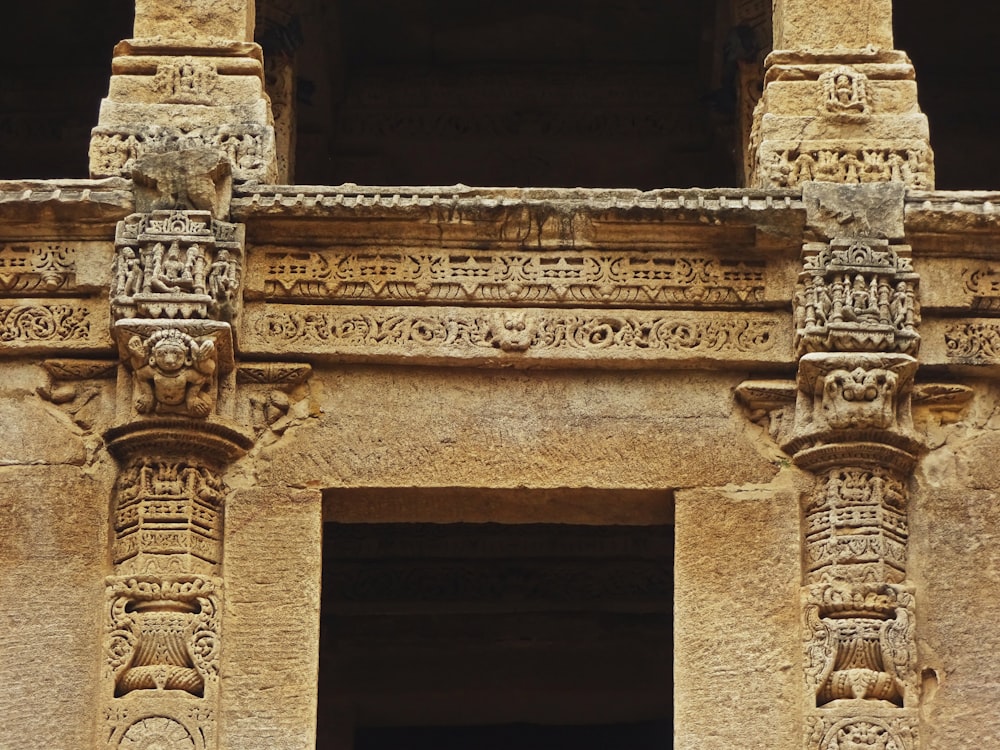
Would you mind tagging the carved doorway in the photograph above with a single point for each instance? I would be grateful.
(496, 635)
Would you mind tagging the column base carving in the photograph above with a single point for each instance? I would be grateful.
(858, 727)
(162, 661)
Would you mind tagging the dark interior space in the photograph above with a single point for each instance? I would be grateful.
(530, 93)
(496, 636)
(645, 735)
(547, 92)
(55, 63)
(957, 67)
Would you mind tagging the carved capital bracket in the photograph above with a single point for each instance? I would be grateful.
(854, 408)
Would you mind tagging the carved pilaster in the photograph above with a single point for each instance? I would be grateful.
(856, 320)
(174, 294)
(163, 606)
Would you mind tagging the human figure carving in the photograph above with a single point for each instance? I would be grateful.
(128, 278)
(222, 277)
(174, 373)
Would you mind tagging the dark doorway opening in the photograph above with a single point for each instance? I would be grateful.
(644, 735)
(494, 636)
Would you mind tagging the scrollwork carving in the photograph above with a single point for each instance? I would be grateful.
(557, 331)
(976, 343)
(33, 323)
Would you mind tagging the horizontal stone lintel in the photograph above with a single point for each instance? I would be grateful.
(522, 337)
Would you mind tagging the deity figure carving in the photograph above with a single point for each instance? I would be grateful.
(845, 91)
(173, 373)
(176, 264)
(856, 296)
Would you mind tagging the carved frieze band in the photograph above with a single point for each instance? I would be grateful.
(542, 278)
(36, 268)
(468, 333)
(790, 164)
(248, 146)
(38, 325)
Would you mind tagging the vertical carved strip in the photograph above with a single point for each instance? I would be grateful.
(856, 316)
(856, 319)
(174, 294)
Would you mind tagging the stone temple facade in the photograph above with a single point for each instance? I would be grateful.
(331, 466)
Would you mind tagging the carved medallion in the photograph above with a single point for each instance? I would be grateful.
(157, 733)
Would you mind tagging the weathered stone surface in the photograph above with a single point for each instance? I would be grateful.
(874, 211)
(53, 547)
(35, 432)
(271, 620)
(956, 568)
(199, 179)
(805, 24)
(200, 21)
(737, 674)
(462, 428)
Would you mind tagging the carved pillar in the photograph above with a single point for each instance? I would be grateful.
(190, 78)
(174, 295)
(856, 320)
(839, 104)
